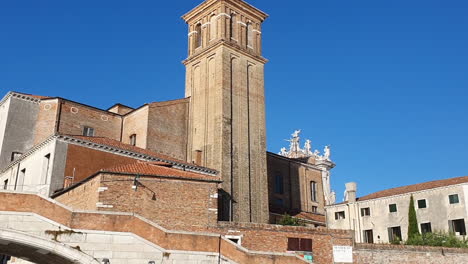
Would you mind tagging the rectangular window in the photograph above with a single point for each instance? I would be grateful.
(133, 139)
(426, 228)
(279, 187)
(5, 184)
(458, 227)
(15, 155)
(422, 204)
(340, 215)
(392, 208)
(299, 244)
(368, 236)
(45, 169)
(453, 199)
(394, 234)
(88, 131)
(365, 211)
(314, 209)
(313, 191)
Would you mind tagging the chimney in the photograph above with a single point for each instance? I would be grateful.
(351, 188)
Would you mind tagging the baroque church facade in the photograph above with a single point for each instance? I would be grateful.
(219, 125)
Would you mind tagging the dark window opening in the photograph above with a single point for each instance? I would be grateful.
(88, 131)
(453, 199)
(299, 244)
(394, 233)
(133, 139)
(365, 211)
(279, 185)
(422, 204)
(392, 208)
(5, 184)
(313, 191)
(368, 236)
(458, 227)
(224, 206)
(314, 209)
(198, 37)
(339, 215)
(426, 228)
(15, 155)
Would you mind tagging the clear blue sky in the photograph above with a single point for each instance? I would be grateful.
(384, 82)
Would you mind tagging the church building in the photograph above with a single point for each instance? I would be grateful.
(195, 164)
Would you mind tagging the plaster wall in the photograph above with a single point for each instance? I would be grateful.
(438, 212)
(18, 129)
(4, 107)
(41, 175)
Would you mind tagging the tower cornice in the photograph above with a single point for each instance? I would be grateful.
(219, 43)
(241, 5)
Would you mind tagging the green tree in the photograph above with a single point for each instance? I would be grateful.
(413, 230)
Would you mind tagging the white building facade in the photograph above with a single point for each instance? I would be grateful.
(382, 217)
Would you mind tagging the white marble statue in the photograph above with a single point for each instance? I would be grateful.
(308, 148)
(326, 153)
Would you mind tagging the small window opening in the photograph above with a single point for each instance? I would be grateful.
(339, 215)
(422, 204)
(365, 211)
(392, 208)
(88, 131)
(453, 199)
(133, 139)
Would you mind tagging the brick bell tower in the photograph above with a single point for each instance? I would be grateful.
(225, 83)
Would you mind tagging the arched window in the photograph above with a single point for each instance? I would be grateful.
(213, 27)
(233, 26)
(198, 37)
(313, 191)
(249, 35)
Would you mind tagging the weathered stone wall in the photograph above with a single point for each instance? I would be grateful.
(395, 254)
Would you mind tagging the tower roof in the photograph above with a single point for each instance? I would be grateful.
(242, 5)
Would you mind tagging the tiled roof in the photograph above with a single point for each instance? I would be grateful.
(117, 144)
(311, 217)
(159, 169)
(415, 188)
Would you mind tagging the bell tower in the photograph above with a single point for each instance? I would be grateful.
(225, 83)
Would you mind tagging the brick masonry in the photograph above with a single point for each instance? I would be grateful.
(393, 254)
(83, 162)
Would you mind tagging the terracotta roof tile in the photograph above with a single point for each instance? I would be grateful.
(159, 169)
(311, 217)
(128, 147)
(415, 188)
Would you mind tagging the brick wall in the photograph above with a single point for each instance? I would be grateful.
(83, 197)
(167, 128)
(274, 238)
(16, 202)
(82, 162)
(178, 204)
(46, 120)
(74, 116)
(393, 254)
(136, 123)
(296, 194)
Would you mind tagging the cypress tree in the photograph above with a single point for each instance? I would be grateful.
(413, 230)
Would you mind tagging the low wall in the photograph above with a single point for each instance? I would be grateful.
(390, 254)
